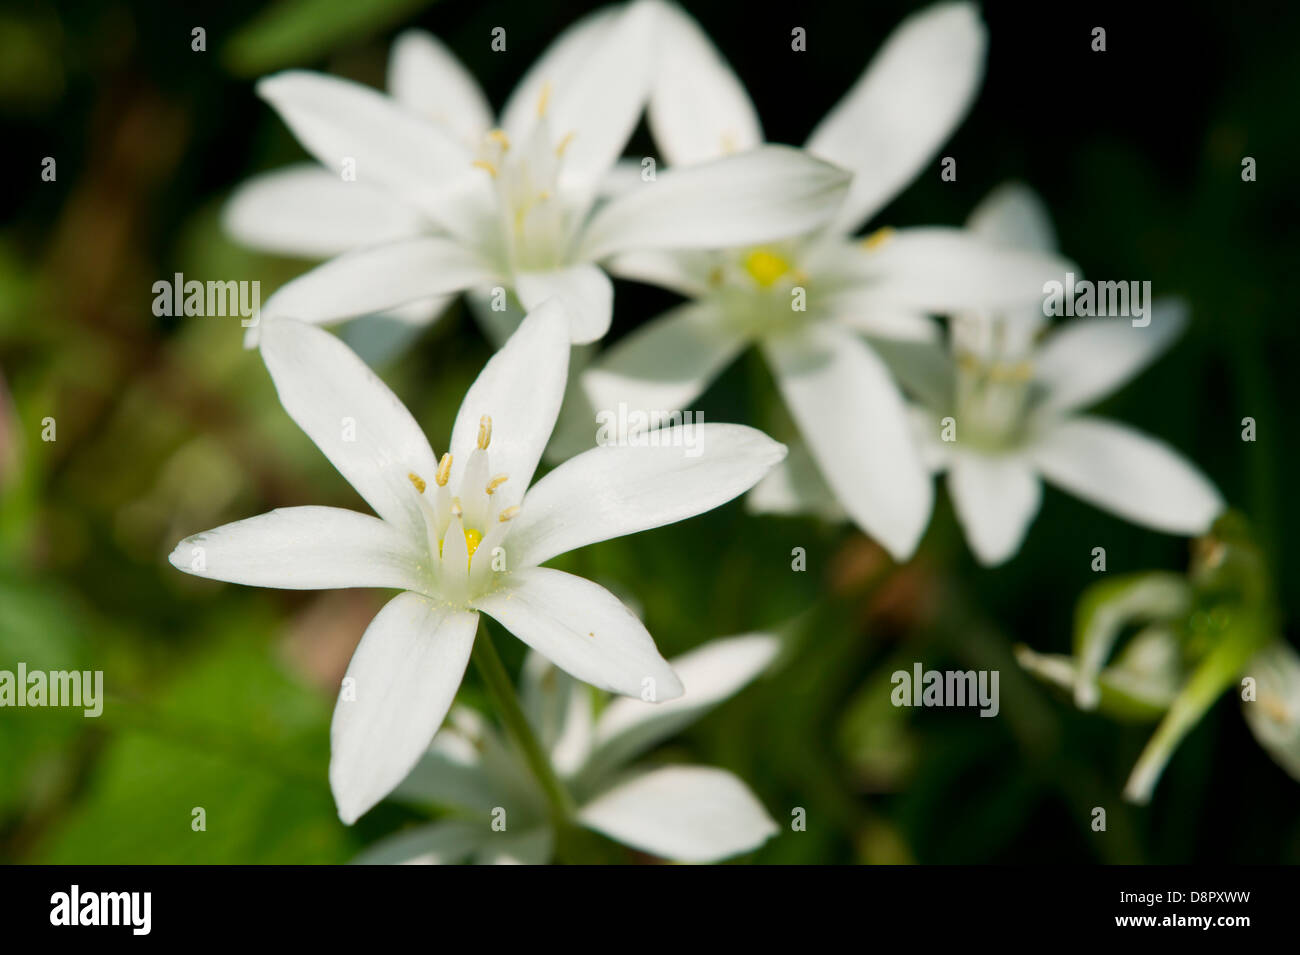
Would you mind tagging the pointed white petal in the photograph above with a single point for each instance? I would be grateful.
(428, 79)
(868, 315)
(520, 389)
(303, 548)
(1089, 358)
(851, 414)
(377, 279)
(647, 481)
(584, 630)
(996, 498)
(665, 364)
(361, 426)
(1013, 215)
(442, 843)
(404, 675)
(306, 211)
(937, 269)
(768, 193)
(585, 292)
(912, 96)
(555, 69)
(699, 109)
(593, 110)
(1118, 469)
(355, 130)
(687, 813)
(716, 671)
(685, 272)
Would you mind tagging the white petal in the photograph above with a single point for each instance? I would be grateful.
(866, 314)
(716, 671)
(379, 338)
(520, 389)
(585, 292)
(647, 481)
(924, 369)
(1128, 473)
(699, 109)
(358, 131)
(1089, 358)
(428, 79)
(936, 269)
(361, 426)
(851, 414)
(1013, 215)
(594, 109)
(451, 774)
(306, 211)
(560, 711)
(555, 69)
(768, 193)
(907, 103)
(404, 675)
(442, 843)
(584, 630)
(303, 548)
(685, 272)
(666, 363)
(377, 279)
(688, 813)
(996, 498)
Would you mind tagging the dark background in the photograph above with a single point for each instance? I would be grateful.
(222, 694)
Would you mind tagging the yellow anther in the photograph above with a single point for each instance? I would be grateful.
(484, 164)
(544, 99)
(496, 482)
(417, 481)
(444, 470)
(484, 431)
(564, 143)
(544, 195)
(877, 239)
(472, 539)
(508, 514)
(765, 267)
(499, 137)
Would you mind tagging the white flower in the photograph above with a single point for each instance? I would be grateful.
(685, 813)
(848, 408)
(475, 208)
(1014, 403)
(459, 535)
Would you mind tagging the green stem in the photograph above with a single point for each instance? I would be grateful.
(502, 691)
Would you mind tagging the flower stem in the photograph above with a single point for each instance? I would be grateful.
(502, 691)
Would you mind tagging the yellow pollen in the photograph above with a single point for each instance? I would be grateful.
(499, 137)
(484, 164)
(877, 238)
(508, 513)
(444, 470)
(484, 431)
(496, 482)
(544, 99)
(564, 144)
(417, 481)
(765, 267)
(472, 539)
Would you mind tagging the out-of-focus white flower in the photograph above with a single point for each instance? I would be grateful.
(470, 207)
(459, 536)
(685, 813)
(808, 302)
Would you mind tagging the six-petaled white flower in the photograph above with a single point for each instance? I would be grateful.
(460, 536)
(684, 813)
(515, 207)
(809, 302)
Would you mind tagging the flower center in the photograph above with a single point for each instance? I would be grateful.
(992, 400)
(766, 267)
(460, 525)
